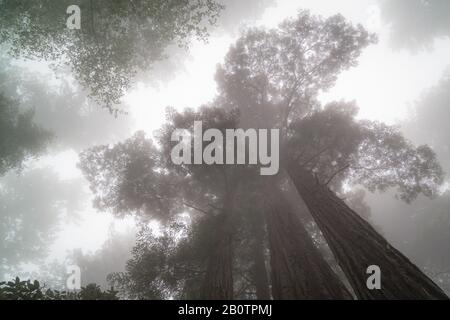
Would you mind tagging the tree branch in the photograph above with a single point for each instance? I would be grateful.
(315, 155)
(336, 173)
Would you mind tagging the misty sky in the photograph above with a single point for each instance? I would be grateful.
(393, 78)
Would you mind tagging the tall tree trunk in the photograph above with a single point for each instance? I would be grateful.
(298, 269)
(356, 245)
(259, 270)
(218, 282)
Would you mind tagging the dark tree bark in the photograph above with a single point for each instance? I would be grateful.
(218, 282)
(298, 269)
(356, 245)
(259, 270)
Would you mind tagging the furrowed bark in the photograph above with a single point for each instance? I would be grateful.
(356, 245)
(298, 269)
(259, 271)
(218, 282)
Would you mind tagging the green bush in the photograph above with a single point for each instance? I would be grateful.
(27, 290)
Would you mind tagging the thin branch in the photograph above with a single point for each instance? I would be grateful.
(134, 6)
(195, 208)
(315, 155)
(336, 173)
(174, 199)
(92, 19)
(185, 269)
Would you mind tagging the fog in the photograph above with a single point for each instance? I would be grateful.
(63, 204)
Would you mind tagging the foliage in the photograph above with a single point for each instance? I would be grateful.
(123, 187)
(278, 73)
(116, 39)
(20, 137)
(270, 79)
(332, 141)
(415, 23)
(28, 290)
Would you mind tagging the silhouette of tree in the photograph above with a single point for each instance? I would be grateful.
(20, 137)
(116, 39)
(271, 79)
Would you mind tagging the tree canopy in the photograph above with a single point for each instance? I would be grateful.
(20, 137)
(209, 230)
(115, 41)
(270, 78)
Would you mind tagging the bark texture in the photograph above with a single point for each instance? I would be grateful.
(356, 245)
(259, 270)
(298, 269)
(218, 282)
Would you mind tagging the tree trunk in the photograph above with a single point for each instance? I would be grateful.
(356, 245)
(298, 269)
(259, 271)
(218, 282)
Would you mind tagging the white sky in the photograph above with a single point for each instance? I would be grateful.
(384, 85)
